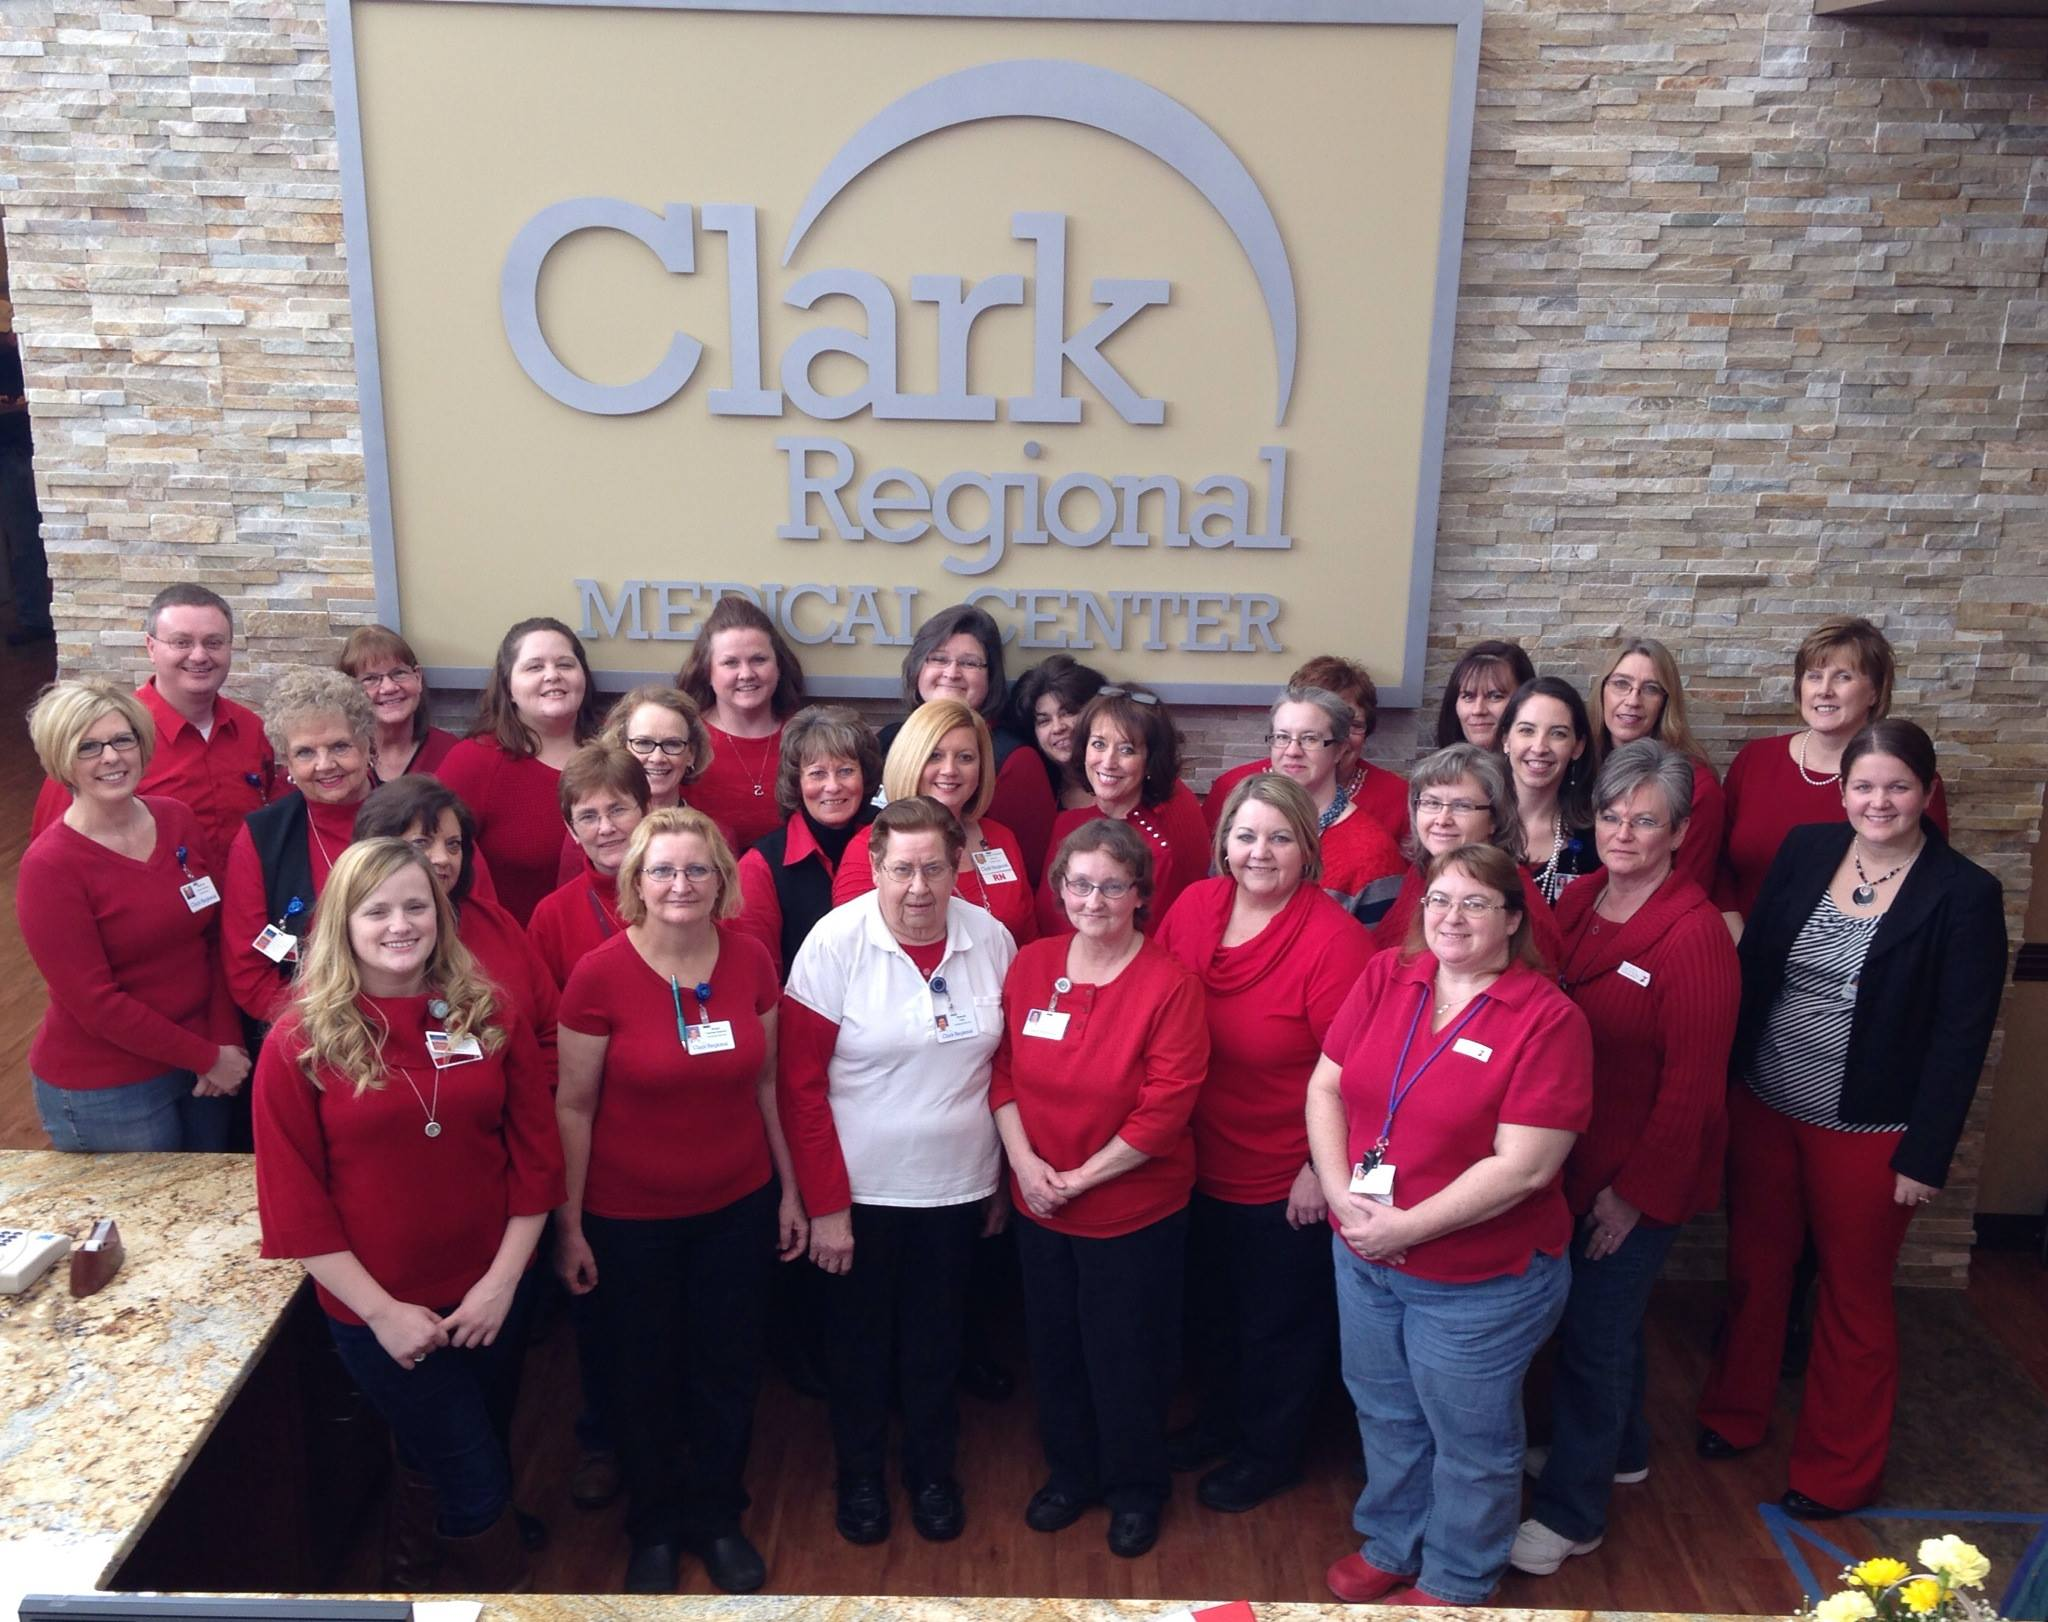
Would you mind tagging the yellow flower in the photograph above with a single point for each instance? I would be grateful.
(1881, 1571)
(1921, 1595)
(1847, 1606)
(1961, 1563)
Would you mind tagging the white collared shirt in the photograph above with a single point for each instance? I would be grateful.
(911, 1111)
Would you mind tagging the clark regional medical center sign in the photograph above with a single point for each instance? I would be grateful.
(1130, 322)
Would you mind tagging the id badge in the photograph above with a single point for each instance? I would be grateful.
(278, 945)
(199, 894)
(994, 867)
(447, 1054)
(955, 1024)
(1847, 990)
(1377, 1184)
(1049, 1023)
(713, 1036)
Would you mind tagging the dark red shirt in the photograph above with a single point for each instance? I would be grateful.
(135, 988)
(675, 1134)
(252, 978)
(1537, 1071)
(1180, 853)
(1009, 901)
(738, 790)
(1130, 1065)
(338, 1170)
(575, 921)
(518, 814)
(1382, 795)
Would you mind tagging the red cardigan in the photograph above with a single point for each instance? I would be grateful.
(1270, 1003)
(1661, 994)
(1009, 902)
(1130, 1065)
(518, 812)
(135, 988)
(1382, 795)
(1180, 853)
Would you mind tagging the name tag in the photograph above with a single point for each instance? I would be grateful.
(1050, 1023)
(1472, 1049)
(1629, 971)
(1847, 990)
(955, 1024)
(994, 867)
(1374, 1182)
(278, 945)
(447, 1054)
(713, 1036)
(199, 894)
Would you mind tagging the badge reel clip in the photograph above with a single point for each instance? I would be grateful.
(708, 1035)
(1050, 1022)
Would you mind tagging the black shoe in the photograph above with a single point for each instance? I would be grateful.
(1713, 1445)
(1191, 1447)
(26, 636)
(1237, 1485)
(986, 1380)
(533, 1531)
(732, 1563)
(1797, 1504)
(937, 1510)
(863, 1515)
(653, 1568)
(1053, 1508)
(1132, 1532)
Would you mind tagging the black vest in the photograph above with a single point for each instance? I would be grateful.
(803, 890)
(279, 834)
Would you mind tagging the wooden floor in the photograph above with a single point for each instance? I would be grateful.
(1689, 1539)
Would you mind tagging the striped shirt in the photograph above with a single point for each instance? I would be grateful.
(1805, 1046)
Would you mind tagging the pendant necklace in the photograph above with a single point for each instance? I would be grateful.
(433, 1128)
(768, 752)
(1865, 893)
(1548, 879)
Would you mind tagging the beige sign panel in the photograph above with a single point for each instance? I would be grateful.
(1134, 329)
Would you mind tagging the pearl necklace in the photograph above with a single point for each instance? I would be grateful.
(1548, 879)
(1799, 760)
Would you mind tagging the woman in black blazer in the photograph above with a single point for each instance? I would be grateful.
(1872, 965)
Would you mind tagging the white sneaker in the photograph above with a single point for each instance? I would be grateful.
(1534, 1460)
(1540, 1551)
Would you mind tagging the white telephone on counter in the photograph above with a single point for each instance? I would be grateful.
(26, 1257)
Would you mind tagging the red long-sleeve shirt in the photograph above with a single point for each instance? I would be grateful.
(518, 812)
(1009, 900)
(252, 978)
(1380, 794)
(1699, 857)
(1180, 853)
(574, 921)
(1661, 993)
(511, 964)
(135, 988)
(1130, 1065)
(337, 1170)
(738, 790)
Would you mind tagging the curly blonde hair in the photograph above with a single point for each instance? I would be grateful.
(338, 1034)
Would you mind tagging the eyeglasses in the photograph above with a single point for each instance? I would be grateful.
(1472, 906)
(668, 872)
(670, 747)
(1110, 889)
(120, 743)
(182, 645)
(945, 661)
(1309, 741)
(1431, 806)
(904, 872)
(1134, 694)
(1622, 687)
(1612, 821)
(397, 675)
(591, 817)
(309, 754)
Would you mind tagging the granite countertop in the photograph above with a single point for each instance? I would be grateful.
(868, 1608)
(108, 1398)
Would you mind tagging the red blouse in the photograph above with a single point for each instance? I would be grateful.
(517, 807)
(737, 791)
(1008, 899)
(1180, 853)
(341, 1170)
(1129, 1065)
(574, 921)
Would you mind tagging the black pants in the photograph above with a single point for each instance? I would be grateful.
(1103, 1318)
(1266, 1300)
(894, 1321)
(681, 1305)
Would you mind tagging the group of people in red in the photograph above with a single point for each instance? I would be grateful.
(1405, 1072)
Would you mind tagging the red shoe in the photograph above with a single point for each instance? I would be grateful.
(1411, 1598)
(1357, 1581)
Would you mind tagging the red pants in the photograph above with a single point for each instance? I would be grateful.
(1786, 1179)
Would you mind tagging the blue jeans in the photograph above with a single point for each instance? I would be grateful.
(1436, 1373)
(451, 1414)
(1597, 1391)
(158, 1113)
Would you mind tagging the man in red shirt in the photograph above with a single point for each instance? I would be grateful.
(210, 751)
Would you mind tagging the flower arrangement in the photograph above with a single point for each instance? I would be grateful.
(1882, 1589)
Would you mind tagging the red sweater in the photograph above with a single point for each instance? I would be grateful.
(675, 1134)
(1391, 932)
(738, 791)
(1380, 794)
(134, 985)
(1355, 852)
(251, 977)
(1024, 803)
(222, 776)
(518, 818)
(425, 1216)
(512, 965)
(1767, 797)
(1130, 1065)
(575, 921)
(1010, 901)
(1537, 1071)
(1270, 1004)
(1699, 858)
(1660, 993)
(1180, 853)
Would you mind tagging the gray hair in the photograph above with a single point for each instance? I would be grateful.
(1489, 770)
(1646, 761)
(1341, 715)
(308, 691)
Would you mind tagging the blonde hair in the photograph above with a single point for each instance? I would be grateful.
(1672, 727)
(1282, 794)
(679, 704)
(919, 736)
(338, 1034)
(677, 819)
(65, 711)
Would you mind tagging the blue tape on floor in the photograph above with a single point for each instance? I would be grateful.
(2026, 1595)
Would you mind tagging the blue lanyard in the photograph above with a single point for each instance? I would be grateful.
(703, 995)
(182, 868)
(1397, 1094)
(291, 911)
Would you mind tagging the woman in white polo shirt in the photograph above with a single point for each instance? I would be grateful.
(889, 1021)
